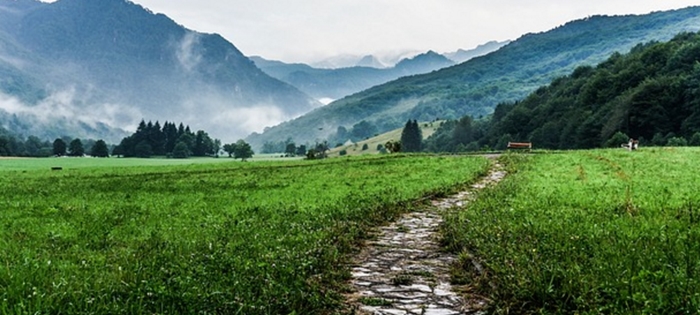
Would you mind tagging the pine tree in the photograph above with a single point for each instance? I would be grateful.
(411, 137)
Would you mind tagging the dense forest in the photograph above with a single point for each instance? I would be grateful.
(651, 94)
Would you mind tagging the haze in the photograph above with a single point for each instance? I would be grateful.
(311, 30)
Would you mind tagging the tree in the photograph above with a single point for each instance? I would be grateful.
(202, 144)
(363, 130)
(677, 142)
(243, 151)
(301, 150)
(230, 149)
(216, 146)
(695, 139)
(291, 149)
(100, 149)
(616, 140)
(181, 151)
(143, 150)
(59, 147)
(76, 148)
(411, 137)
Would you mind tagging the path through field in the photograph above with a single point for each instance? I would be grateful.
(404, 272)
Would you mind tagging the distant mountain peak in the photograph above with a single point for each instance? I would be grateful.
(371, 62)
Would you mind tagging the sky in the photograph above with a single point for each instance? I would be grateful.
(311, 30)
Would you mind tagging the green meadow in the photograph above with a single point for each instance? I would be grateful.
(27, 164)
(585, 232)
(205, 238)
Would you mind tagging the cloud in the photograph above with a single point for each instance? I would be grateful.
(311, 30)
(187, 53)
(65, 105)
(216, 114)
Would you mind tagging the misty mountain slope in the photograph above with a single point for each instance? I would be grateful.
(462, 55)
(338, 83)
(113, 62)
(476, 86)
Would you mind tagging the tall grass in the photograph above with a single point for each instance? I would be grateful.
(587, 232)
(244, 238)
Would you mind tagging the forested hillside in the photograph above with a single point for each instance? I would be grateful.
(477, 86)
(651, 94)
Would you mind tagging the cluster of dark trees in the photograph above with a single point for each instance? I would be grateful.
(75, 148)
(32, 146)
(169, 140)
(239, 150)
(358, 132)
(651, 94)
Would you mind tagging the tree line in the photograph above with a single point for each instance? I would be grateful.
(176, 141)
(150, 139)
(15, 145)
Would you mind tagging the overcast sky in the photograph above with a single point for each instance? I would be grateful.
(309, 30)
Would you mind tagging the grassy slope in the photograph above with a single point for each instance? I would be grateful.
(243, 238)
(587, 232)
(427, 128)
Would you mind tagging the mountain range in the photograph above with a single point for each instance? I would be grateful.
(332, 84)
(336, 83)
(475, 87)
(90, 68)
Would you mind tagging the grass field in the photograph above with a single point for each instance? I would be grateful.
(26, 164)
(223, 238)
(586, 232)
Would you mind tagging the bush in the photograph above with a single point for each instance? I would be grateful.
(343, 152)
(617, 139)
(677, 142)
(695, 139)
(365, 147)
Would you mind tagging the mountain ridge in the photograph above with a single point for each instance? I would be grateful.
(478, 85)
(341, 82)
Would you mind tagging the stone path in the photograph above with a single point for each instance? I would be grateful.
(404, 272)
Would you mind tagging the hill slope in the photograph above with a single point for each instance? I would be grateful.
(112, 62)
(337, 83)
(476, 86)
(653, 93)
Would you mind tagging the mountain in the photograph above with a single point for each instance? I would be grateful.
(370, 61)
(107, 64)
(462, 55)
(475, 87)
(651, 94)
(337, 83)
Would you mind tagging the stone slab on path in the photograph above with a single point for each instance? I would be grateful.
(404, 271)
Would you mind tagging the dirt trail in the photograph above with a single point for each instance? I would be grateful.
(403, 271)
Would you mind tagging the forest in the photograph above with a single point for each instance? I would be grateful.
(651, 94)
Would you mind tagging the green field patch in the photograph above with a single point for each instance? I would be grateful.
(223, 238)
(586, 232)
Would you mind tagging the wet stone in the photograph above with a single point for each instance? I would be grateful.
(405, 267)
